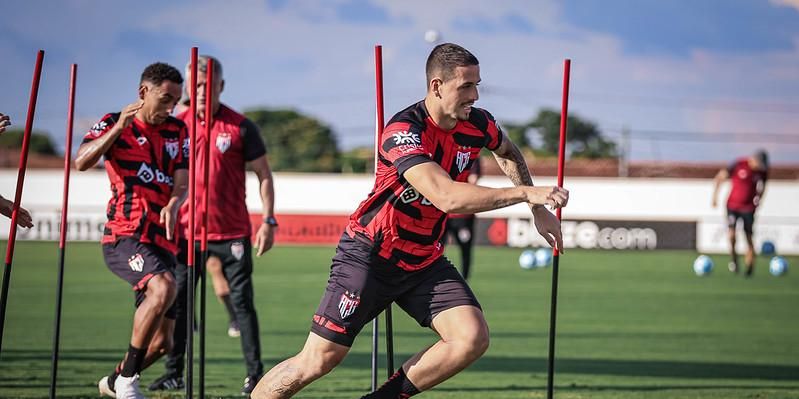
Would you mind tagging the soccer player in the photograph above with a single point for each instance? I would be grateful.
(748, 176)
(461, 226)
(391, 249)
(24, 218)
(236, 144)
(146, 162)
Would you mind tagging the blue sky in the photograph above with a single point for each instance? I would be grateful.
(699, 81)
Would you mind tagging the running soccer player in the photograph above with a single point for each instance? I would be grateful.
(391, 249)
(236, 144)
(748, 176)
(146, 160)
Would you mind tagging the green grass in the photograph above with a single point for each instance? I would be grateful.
(630, 325)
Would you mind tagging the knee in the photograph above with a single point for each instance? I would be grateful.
(473, 344)
(320, 361)
(161, 291)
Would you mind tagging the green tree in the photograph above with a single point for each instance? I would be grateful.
(296, 142)
(584, 138)
(40, 143)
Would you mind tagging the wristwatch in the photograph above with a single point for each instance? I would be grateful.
(270, 220)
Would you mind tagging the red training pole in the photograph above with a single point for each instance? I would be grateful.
(62, 246)
(564, 113)
(23, 164)
(190, 238)
(206, 166)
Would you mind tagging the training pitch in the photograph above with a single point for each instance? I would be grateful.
(630, 325)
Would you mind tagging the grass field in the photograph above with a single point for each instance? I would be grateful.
(630, 325)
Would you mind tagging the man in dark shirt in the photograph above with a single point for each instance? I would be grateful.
(391, 249)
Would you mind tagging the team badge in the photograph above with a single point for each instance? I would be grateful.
(141, 140)
(237, 250)
(136, 263)
(172, 147)
(223, 142)
(462, 159)
(348, 303)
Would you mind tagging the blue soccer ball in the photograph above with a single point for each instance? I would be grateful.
(527, 259)
(703, 265)
(543, 257)
(778, 266)
(767, 248)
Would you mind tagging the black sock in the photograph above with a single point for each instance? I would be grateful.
(397, 387)
(229, 306)
(133, 361)
(113, 376)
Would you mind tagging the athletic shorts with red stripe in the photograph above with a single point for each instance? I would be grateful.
(362, 285)
(137, 263)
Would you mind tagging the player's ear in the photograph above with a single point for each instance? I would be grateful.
(222, 86)
(142, 91)
(435, 87)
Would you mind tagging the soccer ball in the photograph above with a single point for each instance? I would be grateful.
(778, 266)
(703, 265)
(542, 257)
(527, 259)
(767, 248)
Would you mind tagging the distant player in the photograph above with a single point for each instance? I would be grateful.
(748, 177)
(461, 226)
(143, 147)
(236, 145)
(391, 250)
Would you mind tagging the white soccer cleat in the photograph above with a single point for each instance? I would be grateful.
(105, 389)
(128, 387)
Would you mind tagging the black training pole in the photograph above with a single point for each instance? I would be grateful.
(206, 166)
(23, 164)
(190, 238)
(62, 242)
(564, 112)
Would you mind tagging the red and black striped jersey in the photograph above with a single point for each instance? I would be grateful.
(141, 165)
(404, 227)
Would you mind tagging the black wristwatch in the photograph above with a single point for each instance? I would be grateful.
(270, 220)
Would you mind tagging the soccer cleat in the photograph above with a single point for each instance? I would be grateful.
(128, 388)
(233, 330)
(105, 389)
(167, 382)
(733, 267)
(749, 271)
(249, 384)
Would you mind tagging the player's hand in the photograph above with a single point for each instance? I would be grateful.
(554, 197)
(264, 238)
(169, 215)
(548, 226)
(127, 114)
(5, 121)
(24, 218)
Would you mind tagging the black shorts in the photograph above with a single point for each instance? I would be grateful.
(748, 219)
(137, 263)
(362, 285)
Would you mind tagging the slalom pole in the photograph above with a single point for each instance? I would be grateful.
(564, 113)
(209, 84)
(62, 246)
(190, 238)
(23, 164)
(378, 133)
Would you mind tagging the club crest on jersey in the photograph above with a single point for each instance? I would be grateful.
(136, 263)
(223, 141)
(462, 159)
(141, 140)
(348, 303)
(172, 147)
(237, 250)
(186, 144)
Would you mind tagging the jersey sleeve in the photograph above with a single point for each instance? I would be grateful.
(401, 145)
(254, 146)
(494, 137)
(100, 128)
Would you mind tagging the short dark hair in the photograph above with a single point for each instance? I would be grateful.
(159, 72)
(762, 156)
(445, 58)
